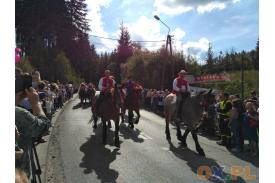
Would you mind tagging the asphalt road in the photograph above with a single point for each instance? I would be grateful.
(76, 155)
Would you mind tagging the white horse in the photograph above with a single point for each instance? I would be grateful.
(192, 110)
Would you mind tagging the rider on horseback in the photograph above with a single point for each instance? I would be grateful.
(132, 87)
(129, 85)
(181, 88)
(105, 85)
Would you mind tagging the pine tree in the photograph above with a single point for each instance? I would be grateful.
(210, 59)
(124, 50)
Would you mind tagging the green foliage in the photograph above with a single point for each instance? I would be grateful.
(251, 82)
(25, 65)
(44, 28)
(64, 72)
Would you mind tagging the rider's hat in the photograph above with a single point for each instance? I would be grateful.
(107, 71)
(182, 72)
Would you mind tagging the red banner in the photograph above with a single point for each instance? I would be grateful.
(207, 78)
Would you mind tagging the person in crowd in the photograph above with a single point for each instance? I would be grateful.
(236, 120)
(148, 99)
(254, 99)
(20, 176)
(29, 125)
(105, 85)
(35, 78)
(251, 127)
(41, 90)
(60, 96)
(223, 110)
(181, 88)
(53, 95)
(18, 71)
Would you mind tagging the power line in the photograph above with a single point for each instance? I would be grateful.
(114, 39)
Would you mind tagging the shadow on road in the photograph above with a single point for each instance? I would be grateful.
(86, 105)
(97, 158)
(246, 157)
(77, 106)
(194, 161)
(128, 133)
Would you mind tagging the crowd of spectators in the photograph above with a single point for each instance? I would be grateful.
(153, 99)
(36, 102)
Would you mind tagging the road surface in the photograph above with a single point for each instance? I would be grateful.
(76, 155)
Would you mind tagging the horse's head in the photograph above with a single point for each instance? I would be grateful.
(206, 98)
(116, 94)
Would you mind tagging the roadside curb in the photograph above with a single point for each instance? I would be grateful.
(42, 149)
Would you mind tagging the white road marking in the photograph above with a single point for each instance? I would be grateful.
(144, 136)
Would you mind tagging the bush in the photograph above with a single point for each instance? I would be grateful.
(25, 65)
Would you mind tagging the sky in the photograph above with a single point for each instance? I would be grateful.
(226, 24)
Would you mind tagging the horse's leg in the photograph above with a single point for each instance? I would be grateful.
(109, 124)
(178, 130)
(183, 138)
(138, 116)
(198, 147)
(116, 132)
(167, 131)
(95, 121)
(130, 118)
(122, 114)
(94, 116)
(104, 131)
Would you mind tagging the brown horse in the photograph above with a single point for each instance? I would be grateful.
(192, 110)
(90, 93)
(132, 103)
(108, 110)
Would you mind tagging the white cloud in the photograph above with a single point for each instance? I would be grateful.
(143, 29)
(211, 6)
(175, 7)
(146, 29)
(196, 49)
(97, 26)
(149, 29)
(163, 7)
(178, 33)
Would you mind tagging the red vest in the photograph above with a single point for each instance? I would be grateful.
(107, 82)
(181, 82)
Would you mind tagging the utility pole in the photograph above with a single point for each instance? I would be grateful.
(168, 42)
(242, 78)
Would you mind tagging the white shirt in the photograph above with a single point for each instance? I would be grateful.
(100, 87)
